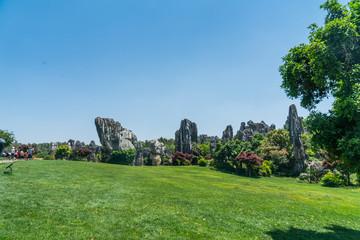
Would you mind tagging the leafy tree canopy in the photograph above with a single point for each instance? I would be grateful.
(279, 138)
(230, 150)
(7, 136)
(329, 65)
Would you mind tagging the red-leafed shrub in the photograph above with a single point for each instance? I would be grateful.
(83, 152)
(79, 154)
(250, 160)
(179, 158)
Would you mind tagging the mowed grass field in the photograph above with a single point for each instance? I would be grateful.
(80, 200)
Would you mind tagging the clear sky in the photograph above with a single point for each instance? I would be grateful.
(148, 64)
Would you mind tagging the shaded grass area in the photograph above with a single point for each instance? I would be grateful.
(80, 200)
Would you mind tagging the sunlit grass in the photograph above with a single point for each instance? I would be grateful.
(80, 200)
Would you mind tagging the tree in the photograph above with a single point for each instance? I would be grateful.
(230, 150)
(329, 66)
(200, 151)
(7, 136)
(279, 138)
(256, 142)
(250, 160)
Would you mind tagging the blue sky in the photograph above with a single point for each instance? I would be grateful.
(148, 64)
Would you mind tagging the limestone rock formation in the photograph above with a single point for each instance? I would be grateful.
(92, 158)
(185, 136)
(157, 152)
(295, 130)
(227, 134)
(71, 144)
(54, 146)
(139, 160)
(146, 152)
(94, 148)
(79, 144)
(213, 140)
(246, 133)
(114, 137)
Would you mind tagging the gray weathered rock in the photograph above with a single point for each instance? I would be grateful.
(185, 136)
(94, 148)
(246, 133)
(79, 144)
(91, 157)
(213, 140)
(71, 144)
(146, 152)
(139, 160)
(54, 146)
(295, 130)
(155, 159)
(114, 137)
(227, 134)
(157, 152)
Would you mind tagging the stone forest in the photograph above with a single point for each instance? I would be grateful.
(201, 64)
(256, 149)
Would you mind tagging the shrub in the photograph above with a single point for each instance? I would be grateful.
(265, 169)
(200, 151)
(165, 160)
(223, 166)
(98, 156)
(179, 158)
(79, 154)
(62, 152)
(124, 157)
(74, 156)
(49, 157)
(83, 152)
(211, 163)
(280, 159)
(230, 150)
(305, 177)
(202, 162)
(40, 155)
(333, 180)
(250, 160)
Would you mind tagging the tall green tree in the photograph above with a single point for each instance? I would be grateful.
(329, 66)
(7, 136)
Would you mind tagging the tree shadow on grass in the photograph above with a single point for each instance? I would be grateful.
(337, 232)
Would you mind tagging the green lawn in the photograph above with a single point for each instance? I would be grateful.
(80, 200)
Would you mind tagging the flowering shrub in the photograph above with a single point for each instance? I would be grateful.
(179, 158)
